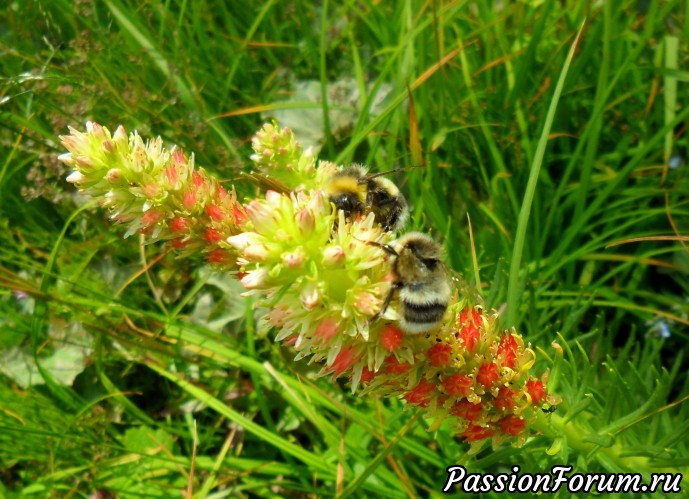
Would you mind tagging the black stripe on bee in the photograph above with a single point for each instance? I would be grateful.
(421, 314)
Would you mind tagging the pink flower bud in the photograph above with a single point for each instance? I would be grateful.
(244, 240)
(310, 297)
(171, 174)
(95, 129)
(120, 134)
(293, 259)
(488, 374)
(179, 243)
(256, 253)
(150, 190)
(512, 425)
(273, 197)
(255, 279)
(458, 384)
(76, 178)
(422, 394)
(366, 303)
(467, 410)
(326, 329)
(109, 146)
(85, 162)
(189, 200)
(333, 255)
(258, 211)
(66, 157)
(319, 208)
(69, 141)
(305, 220)
(277, 316)
(152, 217)
(536, 390)
(113, 175)
(178, 157)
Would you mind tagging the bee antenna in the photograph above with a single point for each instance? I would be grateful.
(366, 178)
(385, 247)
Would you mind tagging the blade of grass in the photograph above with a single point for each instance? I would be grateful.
(308, 458)
(515, 283)
(146, 41)
(67, 396)
(670, 93)
(361, 478)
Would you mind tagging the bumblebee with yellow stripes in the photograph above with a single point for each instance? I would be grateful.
(355, 192)
(421, 282)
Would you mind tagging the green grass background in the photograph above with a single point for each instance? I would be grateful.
(572, 173)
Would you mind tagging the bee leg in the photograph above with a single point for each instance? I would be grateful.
(385, 247)
(385, 305)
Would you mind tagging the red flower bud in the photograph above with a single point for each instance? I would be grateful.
(220, 257)
(488, 374)
(197, 179)
(212, 236)
(506, 399)
(458, 384)
(474, 433)
(214, 212)
(239, 214)
(326, 329)
(512, 425)
(367, 375)
(179, 224)
(466, 410)
(391, 337)
(343, 361)
(421, 394)
(507, 349)
(189, 200)
(392, 365)
(152, 217)
(179, 243)
(536, 390)
(440, 355)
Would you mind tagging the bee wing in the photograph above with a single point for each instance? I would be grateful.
(465, 289)
(265, 181)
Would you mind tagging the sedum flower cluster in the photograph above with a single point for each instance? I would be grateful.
(155, 191)
(322, 277)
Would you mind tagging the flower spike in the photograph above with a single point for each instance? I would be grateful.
(326, 288)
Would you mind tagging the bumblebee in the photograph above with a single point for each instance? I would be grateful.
(355, 192)
(421, 282)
